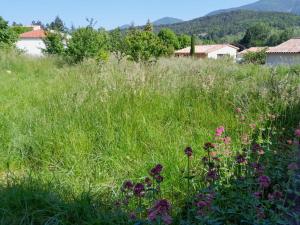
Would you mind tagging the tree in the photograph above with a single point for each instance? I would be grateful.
(192, 52)
(54, 42)
(256, 35)
(86, 43)
(38, 23)
(184, 41)
(144, 46)
(57, 25)
(169, 39)
(7, 36)
(148, 27)
(117, 44)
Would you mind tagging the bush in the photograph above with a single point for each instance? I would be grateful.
(86, 43)
(7, 36)
(54, 42)
(144, 46)
(256, 57)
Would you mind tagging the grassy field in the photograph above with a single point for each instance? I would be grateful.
(90, 127)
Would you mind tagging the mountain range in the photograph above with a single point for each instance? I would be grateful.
(288, 6)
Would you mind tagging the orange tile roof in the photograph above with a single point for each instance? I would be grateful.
(34, 34)
(204, 49)
(290, 46)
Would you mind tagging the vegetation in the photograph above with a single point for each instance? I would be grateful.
(256, 57)
(192, 51)
(231, 26)
(7, 36)
(54, 42)
(71, 135)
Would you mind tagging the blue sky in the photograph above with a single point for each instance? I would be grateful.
(109, 13)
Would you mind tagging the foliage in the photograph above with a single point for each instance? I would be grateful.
(169, 40)
(7, 36)
(256, 57)
(144, 46)
(117, 44)
(184, 41)
(256, 35)
(236, 23)
(54, 42)
(279, 37)
(57, 25)
(20, 29)
(148, 27)
(192, 51)
(86, 43)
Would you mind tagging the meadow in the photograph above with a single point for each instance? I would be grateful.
(73, 134)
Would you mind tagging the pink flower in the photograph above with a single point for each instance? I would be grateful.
(219, 131)
(264, 181)
(297, 133)
(227, 140)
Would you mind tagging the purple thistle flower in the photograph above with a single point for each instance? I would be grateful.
(139, 190)
(156, 170)
(240, 159)
(264, 181)
(159, 178)
(188, 151)
(160, 210)
(128, 185)
(293, 166)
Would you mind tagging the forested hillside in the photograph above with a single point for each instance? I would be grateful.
(233, 25)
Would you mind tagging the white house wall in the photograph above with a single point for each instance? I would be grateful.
(282, 59)
(232, 52)
(32, 46)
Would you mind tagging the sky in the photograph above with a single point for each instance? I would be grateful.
(109, 13)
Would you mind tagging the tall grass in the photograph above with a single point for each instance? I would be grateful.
(91, 126)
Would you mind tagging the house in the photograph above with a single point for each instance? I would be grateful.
(31, 42)
(210, 51)
(241, 54)
(287, 53)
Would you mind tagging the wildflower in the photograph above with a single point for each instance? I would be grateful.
(159, 178)
(253, 126)
(289, 142)
(264, 181)
(127, 185)
(293, 166)
(139, 190)
(148, 182)
(238, 110)
(188, 151)
(227, 140)
(156, 170)
(212, 175)
(275, 196)
(259, 169)
(132, 216)
(256, 148)
(209, 145)
(297, 133)
(213, 154)
(204, 202)
(220, 131)
(257, 195)
(240, 159)
(245, 139)
(160, 210)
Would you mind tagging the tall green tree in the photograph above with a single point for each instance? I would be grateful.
(256, 35)
(148, 27)
(117, 44)
(7, 36)
(192, 52)
(87, 43)
(144, 46)
(184, 41)
(169, 39)
(54, 42)
(57, 25)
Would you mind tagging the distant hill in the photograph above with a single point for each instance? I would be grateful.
(166, 21)
(288, 6)
(232, 23)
